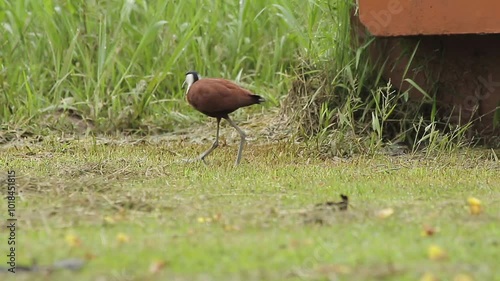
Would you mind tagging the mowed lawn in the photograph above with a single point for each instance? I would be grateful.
(133, 211)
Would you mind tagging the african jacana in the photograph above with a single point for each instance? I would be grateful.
(217, 98)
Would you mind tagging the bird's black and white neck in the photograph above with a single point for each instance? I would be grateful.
(191, 77)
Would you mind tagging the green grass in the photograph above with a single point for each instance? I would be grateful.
(260, 214)
(120, 64)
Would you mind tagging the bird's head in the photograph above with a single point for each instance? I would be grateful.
(191, 77)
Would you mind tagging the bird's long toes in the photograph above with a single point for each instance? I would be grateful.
(191, 160)
(202, 159)
(186, 160)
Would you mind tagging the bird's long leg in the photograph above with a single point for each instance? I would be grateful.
(214, 145)
(242, 142)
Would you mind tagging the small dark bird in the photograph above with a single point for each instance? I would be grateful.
(217, 98)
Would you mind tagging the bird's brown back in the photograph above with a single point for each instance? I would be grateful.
(219, 97)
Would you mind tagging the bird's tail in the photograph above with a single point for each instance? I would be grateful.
(258, 98)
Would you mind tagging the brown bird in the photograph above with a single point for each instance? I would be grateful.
(217, 98)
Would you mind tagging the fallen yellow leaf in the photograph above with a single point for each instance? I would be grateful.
(385, 213)
(109, 220)
(217, 217)
(73, 240)
(230, 228)
(475, 205)
(334, 268)
(473, 201)
(89, 256)
(428, 277)
(122, 238)
(157, 266)
(462, 277)
(428, 230)
(204, 219)
(436, 253)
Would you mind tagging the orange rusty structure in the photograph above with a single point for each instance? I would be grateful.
(430, 17)
(457, 56)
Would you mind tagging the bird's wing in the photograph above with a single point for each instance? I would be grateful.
(219, 95)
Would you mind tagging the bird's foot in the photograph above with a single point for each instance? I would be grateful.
(192, 160)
